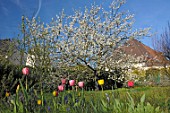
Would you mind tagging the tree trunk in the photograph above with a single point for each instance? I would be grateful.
(96, 78)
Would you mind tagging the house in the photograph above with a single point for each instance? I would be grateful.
(10, 51)
(150, 58)
(133, 47)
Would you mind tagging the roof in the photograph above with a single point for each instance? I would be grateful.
(137, 49)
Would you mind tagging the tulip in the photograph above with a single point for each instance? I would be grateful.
(72, 82)
(63, 81)
(55, 93)
(81, 84)
(130, 83)
(60, 87)
(79, 94)
(25, 71)
(7, 94)
(17, 88)
(100, 82)
(39, 102)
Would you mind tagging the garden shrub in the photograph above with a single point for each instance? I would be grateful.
(158, 76)
(140, 73)
(151, 76)
(82, 73)
(113, 79)
(9, 76)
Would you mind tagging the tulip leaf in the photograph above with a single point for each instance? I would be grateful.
(24, 92)
(94, 107)
(142, 99)
(104, 105)
(15, 107)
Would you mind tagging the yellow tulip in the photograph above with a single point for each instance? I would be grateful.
(39, 102)
(7, 94)
(55, 93)
(101, 82)
(79, 94)
(17, 89)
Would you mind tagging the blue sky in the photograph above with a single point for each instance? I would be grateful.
(148, 13)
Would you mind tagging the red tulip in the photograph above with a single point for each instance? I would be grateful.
(130, 83)
(72, 82)
(60, 87)
(81, 84)
(63, 81)
(25, 71)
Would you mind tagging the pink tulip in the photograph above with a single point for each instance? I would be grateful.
(81, 84)
(72, 82)
(63, 81)
(25, 71)
(60, 87)
(130, 83)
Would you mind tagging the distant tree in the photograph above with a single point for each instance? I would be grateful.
(162, 43)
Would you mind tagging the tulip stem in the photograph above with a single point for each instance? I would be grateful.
(72, 88)
(26, 84)
(82, 91)
(102, 88)
(42, 96)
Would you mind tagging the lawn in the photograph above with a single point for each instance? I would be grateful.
(122, 100)
(157, 96)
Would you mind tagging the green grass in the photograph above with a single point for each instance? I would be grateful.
(123, 100)
(156, 96)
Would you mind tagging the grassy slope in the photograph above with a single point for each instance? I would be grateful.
(157, 96)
